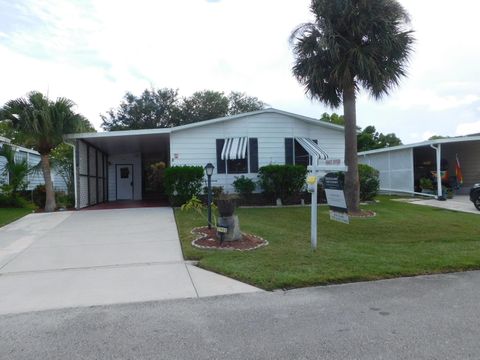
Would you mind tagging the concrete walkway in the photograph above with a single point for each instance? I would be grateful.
(71, 259)
(460, 203)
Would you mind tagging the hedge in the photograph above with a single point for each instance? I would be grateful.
(183, 182)
(282, 181)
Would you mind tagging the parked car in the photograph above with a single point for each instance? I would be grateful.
(475, 195)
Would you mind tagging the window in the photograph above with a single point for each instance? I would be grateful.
(295, 153)
(237, 155)
(238, 166)
(301, 155)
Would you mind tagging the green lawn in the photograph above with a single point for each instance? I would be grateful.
(402, 240)
(7, 215)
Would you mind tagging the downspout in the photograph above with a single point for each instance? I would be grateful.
(74, 173)
(438, 150)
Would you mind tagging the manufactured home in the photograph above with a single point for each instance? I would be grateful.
(112, 166)
(450, 162)
(34, 178)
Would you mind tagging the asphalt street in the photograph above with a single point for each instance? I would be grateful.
(428, 317)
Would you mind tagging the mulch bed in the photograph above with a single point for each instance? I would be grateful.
(208, 239)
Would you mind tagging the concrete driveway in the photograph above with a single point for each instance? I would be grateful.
(83, 258)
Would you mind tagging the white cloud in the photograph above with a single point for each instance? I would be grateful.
(468, 128)
(95, 51)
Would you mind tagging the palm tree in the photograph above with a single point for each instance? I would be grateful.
(43, 123)
(352, 44)
(16, 170)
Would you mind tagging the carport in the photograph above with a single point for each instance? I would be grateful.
(402, 167)
(116, 166)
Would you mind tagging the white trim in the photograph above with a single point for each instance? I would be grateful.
(424, 143)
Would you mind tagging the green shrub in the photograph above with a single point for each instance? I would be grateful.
(183, 182)
(64, 200)
(8, 198)
(369, 182)
(244, 186)
(282, 181)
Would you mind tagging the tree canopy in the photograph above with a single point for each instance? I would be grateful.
(160, 108)
(371, 139)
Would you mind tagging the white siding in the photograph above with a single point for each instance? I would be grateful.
(136, 161)
(197, 146)
(35, 177)
(395, 167)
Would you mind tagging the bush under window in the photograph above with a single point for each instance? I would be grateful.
(282, 181)
(244, 186)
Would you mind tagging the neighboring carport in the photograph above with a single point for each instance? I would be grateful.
(402, 167)
(114, 166)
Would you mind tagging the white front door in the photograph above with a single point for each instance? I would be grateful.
(125, 182)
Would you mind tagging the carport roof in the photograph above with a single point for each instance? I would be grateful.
(423, 143)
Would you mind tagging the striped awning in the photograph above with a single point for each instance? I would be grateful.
(312, 148)
(234, 148)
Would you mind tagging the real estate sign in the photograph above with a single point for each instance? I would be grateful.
(336, 198)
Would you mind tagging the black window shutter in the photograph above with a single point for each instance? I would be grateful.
(253, 152)
(220, 163)
(288, 151)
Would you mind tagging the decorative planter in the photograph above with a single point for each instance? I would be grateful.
(226, 208)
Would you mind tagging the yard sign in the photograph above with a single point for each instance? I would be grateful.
(315, 170)
(336, 198)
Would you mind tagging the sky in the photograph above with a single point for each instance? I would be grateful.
(93, 51)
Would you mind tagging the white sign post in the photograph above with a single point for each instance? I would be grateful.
(312, 182)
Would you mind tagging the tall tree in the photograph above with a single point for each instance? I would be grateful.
(352, 44)
(370, 139)
(239, 103)
(43, 123)
(154, 108)
(163, 108)
(333, 118)
(204, 105)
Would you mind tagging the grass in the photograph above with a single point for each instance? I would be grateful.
(402, 240)
(8, 215)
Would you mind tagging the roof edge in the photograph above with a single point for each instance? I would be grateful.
(422, 143)
(252, 113)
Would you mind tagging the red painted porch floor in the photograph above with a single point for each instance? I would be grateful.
(128, 204)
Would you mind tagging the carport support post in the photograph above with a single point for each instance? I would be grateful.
(438, 150)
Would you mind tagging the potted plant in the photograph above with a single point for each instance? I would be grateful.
(427, 185)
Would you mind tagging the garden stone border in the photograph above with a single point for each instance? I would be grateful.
(201, 235)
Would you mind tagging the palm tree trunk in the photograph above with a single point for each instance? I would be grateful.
(352, 183)
(50, 204)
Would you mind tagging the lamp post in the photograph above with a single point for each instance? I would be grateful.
(209, 171)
